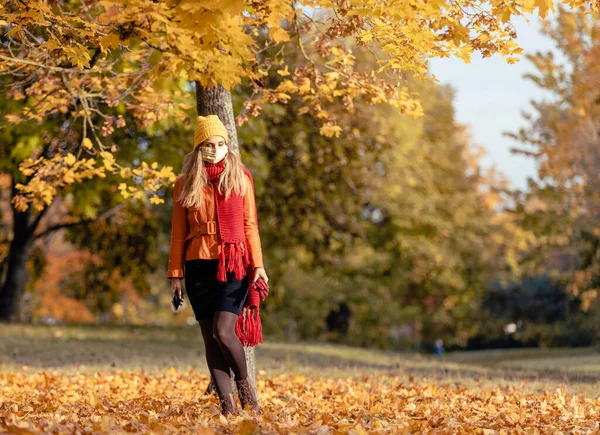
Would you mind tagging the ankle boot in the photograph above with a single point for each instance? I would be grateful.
(246, 394)
(228, 404)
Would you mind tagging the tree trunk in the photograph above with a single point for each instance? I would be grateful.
(216, 100)
(16, 277)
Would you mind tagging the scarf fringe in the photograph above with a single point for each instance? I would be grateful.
(237, 261)
(250, 331)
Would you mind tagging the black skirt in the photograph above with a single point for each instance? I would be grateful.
(207, 295)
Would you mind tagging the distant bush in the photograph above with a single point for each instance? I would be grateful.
(547, 315)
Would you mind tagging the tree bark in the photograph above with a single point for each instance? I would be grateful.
(216, 100)
(17, 275)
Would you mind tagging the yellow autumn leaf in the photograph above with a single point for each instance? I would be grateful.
(304, 86)
(12, 118)
(366, 37)
(279, 35)
(282, 96)
(109, 41)
(70, 159)
(544, 6)
(69, 177)
(87, 143)
(330, 130)
(283, 72)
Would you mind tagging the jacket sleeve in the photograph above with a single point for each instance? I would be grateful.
(251, 226)
(179, 231)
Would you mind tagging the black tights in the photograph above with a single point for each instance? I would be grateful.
(223, 349)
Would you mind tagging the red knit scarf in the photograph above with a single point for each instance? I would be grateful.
(235, 249)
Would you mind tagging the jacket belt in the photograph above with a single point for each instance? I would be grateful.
(209, 227)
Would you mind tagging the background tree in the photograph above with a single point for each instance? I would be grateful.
(563, 207)
(395, 216)
(73, 69)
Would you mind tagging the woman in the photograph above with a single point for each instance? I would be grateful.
(215, 247)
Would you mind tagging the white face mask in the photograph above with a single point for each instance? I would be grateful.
(213, 154)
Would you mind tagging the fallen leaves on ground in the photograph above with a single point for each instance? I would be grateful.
(135, 401)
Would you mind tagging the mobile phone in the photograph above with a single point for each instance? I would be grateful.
(176, 301)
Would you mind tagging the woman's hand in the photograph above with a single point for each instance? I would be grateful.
(259, 272)
(176, 286)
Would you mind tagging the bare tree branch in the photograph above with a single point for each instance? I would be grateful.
(57, 227)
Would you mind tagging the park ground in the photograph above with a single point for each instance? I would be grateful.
(123, 379)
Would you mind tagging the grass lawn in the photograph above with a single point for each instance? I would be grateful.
(73, 348)
(81, 354)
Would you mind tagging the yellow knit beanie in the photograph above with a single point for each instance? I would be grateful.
(207, 126)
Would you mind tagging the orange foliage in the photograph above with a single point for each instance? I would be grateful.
(119, 402)
(62, 259)
(56, 305)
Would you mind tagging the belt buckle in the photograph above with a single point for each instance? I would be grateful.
(211, 227)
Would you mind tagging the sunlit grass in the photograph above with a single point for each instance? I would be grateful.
(77, 348)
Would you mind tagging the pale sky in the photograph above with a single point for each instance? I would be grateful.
(490, 95)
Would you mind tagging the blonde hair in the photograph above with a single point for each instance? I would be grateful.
(195, 178)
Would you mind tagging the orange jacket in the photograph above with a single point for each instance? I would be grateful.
(186, 221)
